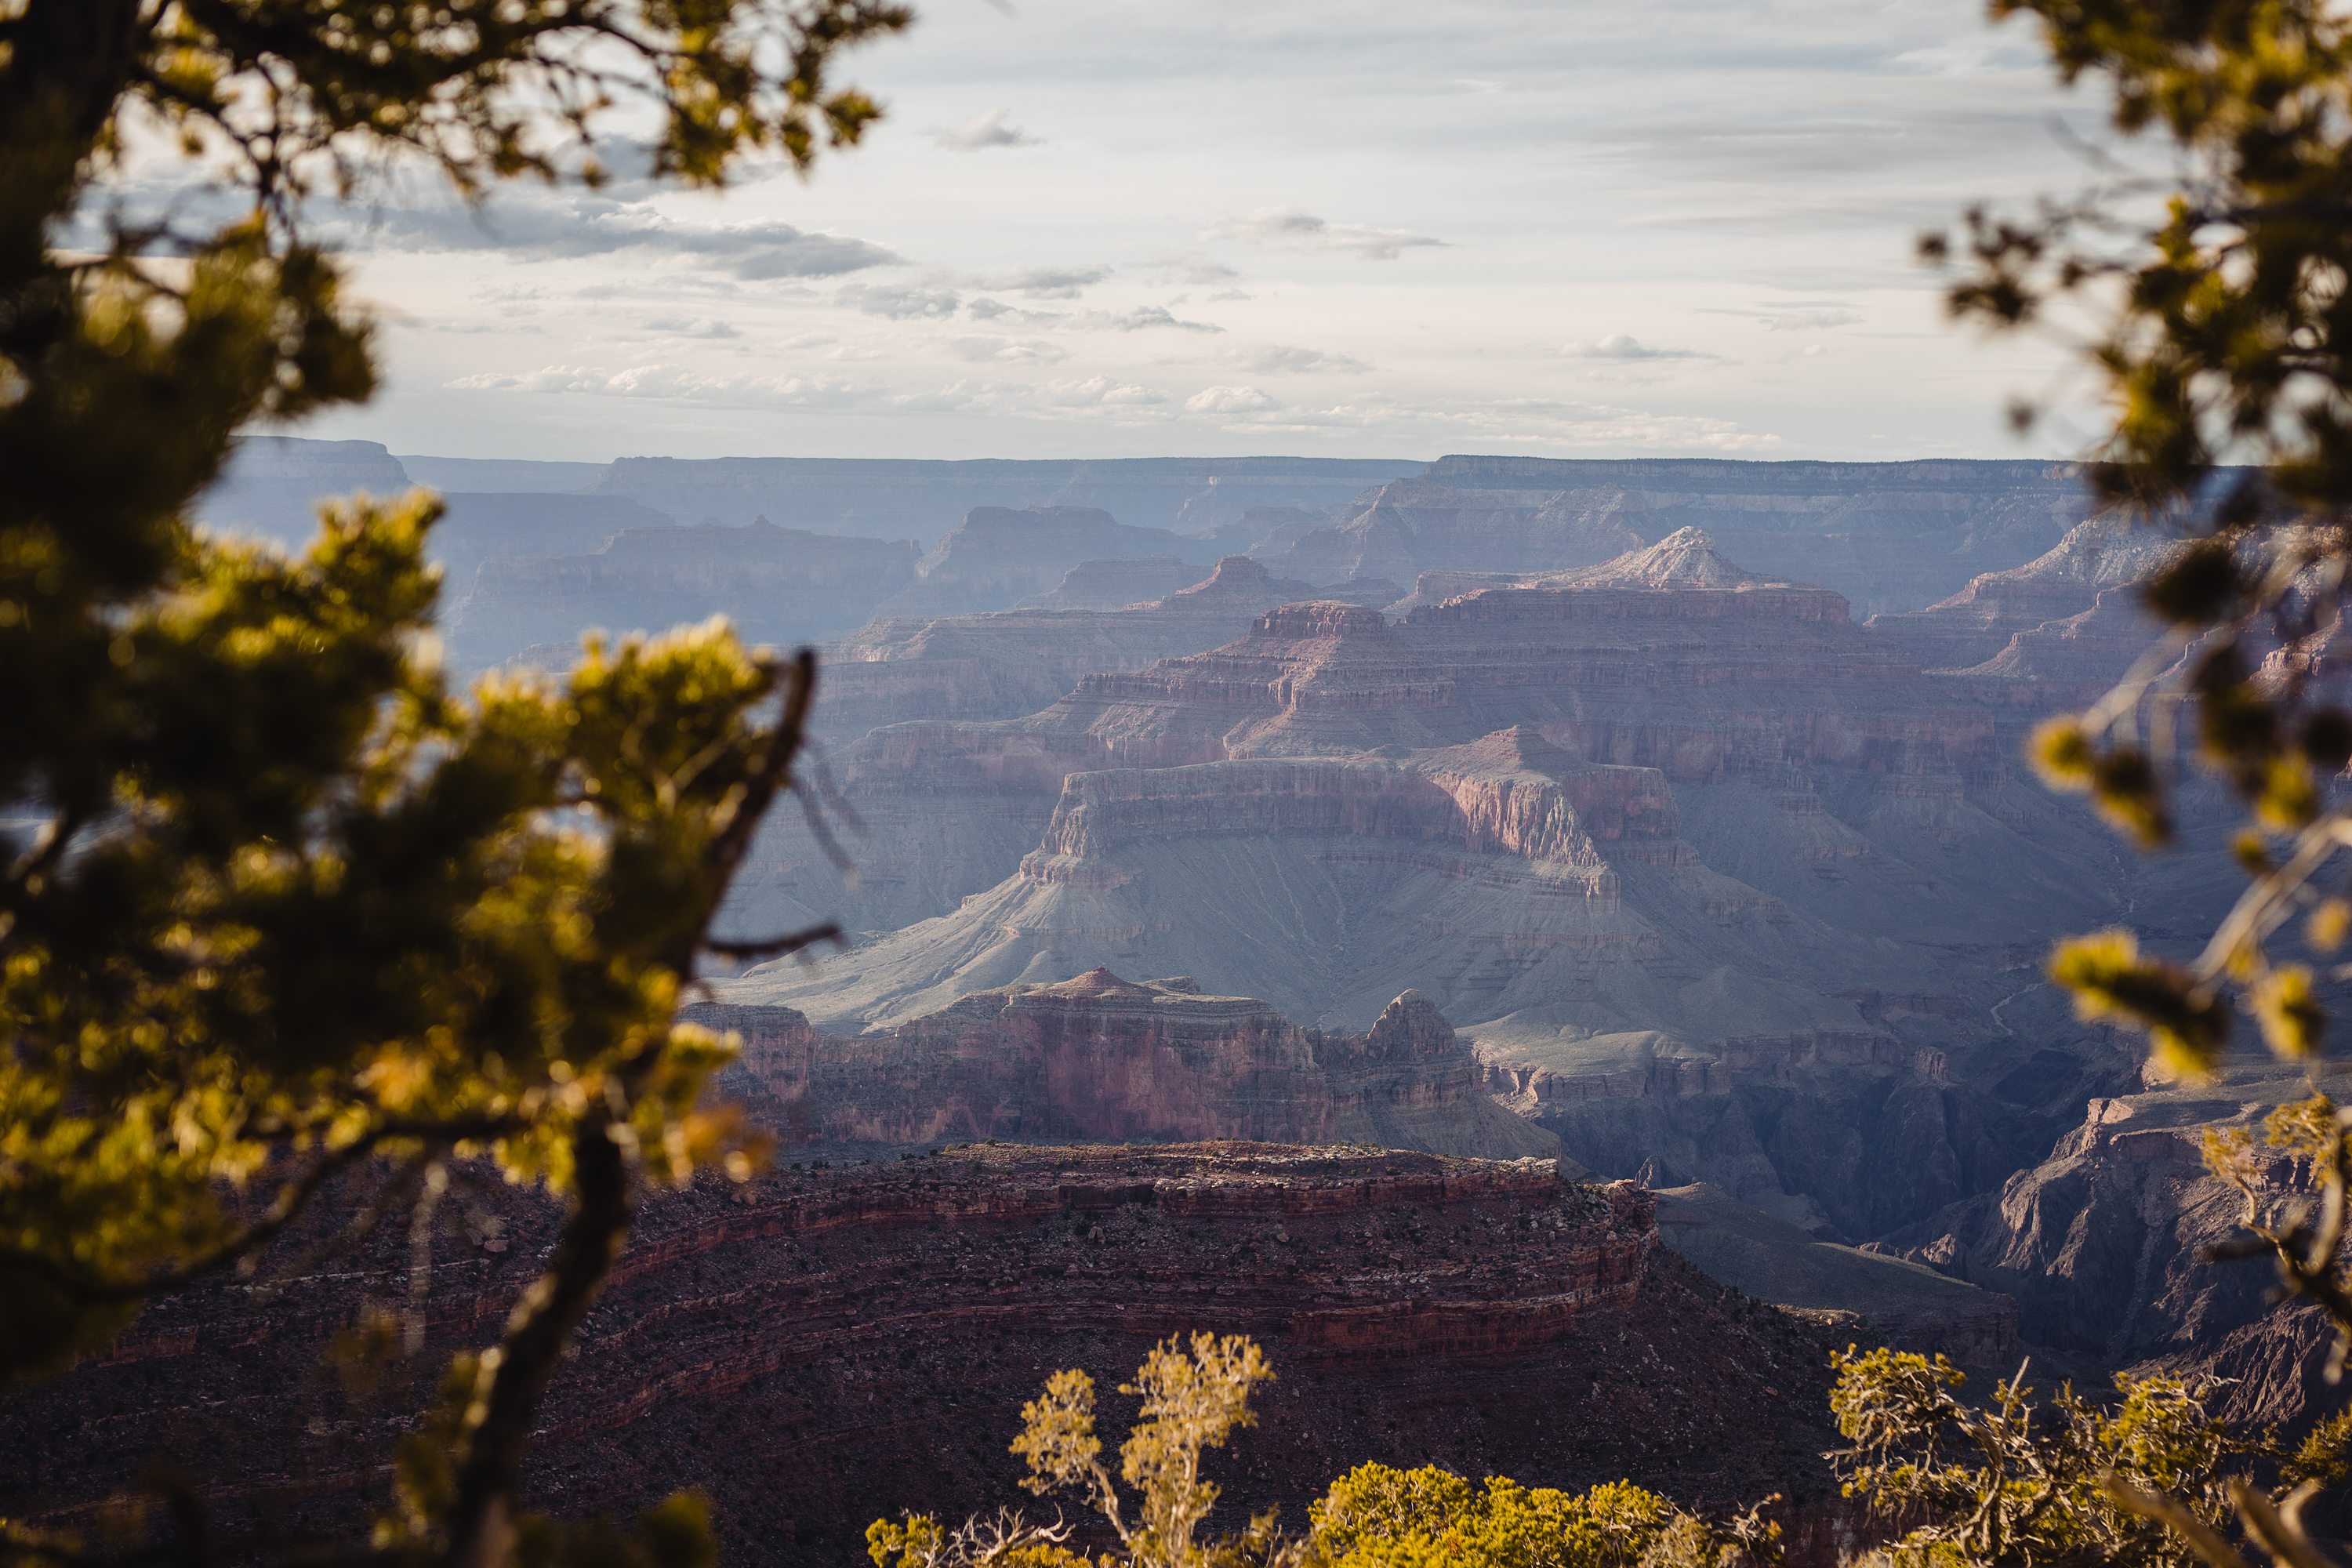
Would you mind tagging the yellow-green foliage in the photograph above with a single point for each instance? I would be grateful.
(1373, 1517)
(2011, 1483)
(1379, 1517)
(291, 914)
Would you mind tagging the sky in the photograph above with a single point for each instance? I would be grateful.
(1100, 228)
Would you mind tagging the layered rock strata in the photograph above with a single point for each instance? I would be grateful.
(1101, 1058)
(823, 1348)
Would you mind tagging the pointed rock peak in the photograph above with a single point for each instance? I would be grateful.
(1412, 1027)
(1686, 558)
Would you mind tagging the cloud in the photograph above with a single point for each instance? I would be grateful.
(1192, 268)
(691, 327)
(1100, 392)
(1808, 320)
(1041, 282)
(1006, 351)
(900, 302)
(1228, 400)
(983, 131)
(1277, 359)
(1292, 228)
(548, 226)
(1624, 348)
(1143, 318)
(673, 382)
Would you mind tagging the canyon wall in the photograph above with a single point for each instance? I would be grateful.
(825, 1347)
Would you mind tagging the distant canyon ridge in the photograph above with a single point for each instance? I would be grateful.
(1680, 797)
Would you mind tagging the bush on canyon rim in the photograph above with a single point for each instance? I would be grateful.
(1373, 1517)
(292, 915)
(2222, 336)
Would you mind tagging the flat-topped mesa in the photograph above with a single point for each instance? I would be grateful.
(1685, 563)
(1098, 1057)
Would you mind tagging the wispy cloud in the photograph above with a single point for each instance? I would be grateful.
(1006, 351)
(1277, 359)
(1294, 228)
(983, 131)
(1624, 347)
(1228, 400)
(1041, 282)
(900, 302)
(691, 327)
(547, 226)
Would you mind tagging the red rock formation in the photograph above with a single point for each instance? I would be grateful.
(827, 1347)
(1098, 1058)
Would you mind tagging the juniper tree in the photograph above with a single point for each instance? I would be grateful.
(283, 912)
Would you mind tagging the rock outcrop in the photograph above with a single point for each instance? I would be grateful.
(1098, 1059)
(776, 584)
(2054, 633)
(825, 1347)
(2106, 1247)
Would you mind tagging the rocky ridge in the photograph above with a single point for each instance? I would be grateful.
(1890, 536)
